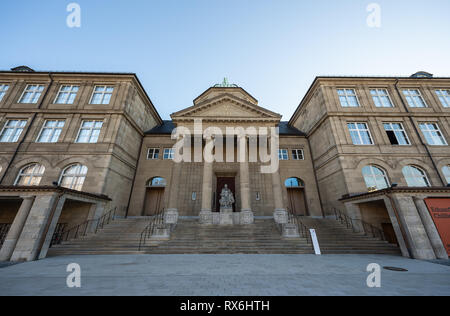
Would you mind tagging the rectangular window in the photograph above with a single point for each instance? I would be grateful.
(102, 94)
(12, 131)
(66, 94)
(50, 131)
(414, 98)
(396, 134)
(444, 97)
(432, 134)
(297, 154)
(348, 98)
(283, 154)
(3, 89)
(153, 153)
(360, 134)
(89, 131)
(168, 153)
(31, 94)
(381, 98)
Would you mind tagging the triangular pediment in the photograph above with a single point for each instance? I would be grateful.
(226, 106)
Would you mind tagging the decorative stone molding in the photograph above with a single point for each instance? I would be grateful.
(171, 216)
(280, 216)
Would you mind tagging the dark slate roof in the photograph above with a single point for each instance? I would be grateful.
(167, 127)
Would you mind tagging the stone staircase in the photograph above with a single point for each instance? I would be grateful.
(263, 237)
(335, 238)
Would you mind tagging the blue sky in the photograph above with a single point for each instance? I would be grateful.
(272, 48)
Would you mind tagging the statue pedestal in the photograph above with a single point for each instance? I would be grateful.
(226, 216)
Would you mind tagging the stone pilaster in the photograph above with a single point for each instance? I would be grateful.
(280, 214)
(16, 228)
(246, 211)
(206, 211)
(171, 213)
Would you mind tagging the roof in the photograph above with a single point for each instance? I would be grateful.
(168, 126)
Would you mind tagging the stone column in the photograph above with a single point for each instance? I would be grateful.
(280, 213)
(246, 209)
(206, 211)
(171, 213)
(16, 229)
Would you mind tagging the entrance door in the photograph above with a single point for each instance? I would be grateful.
(297, 202)
(389, 233)
(153, 201)
(230, 181)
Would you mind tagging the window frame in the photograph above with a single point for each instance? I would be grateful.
(425, 176)
(74, 176)
(53, 130)
(31, 175)
(91, 130)
(170, 155)
(393, 130)
(68, 92)
(446, 98)
(428, 130)
(296, 154)
(3, 91)
(33, 93)
(153, 155)
(374, 176)
(446, 175)
(103, 94)
(412, 97)
(379, 97)
(281, 155)
(5, 126)
(359, 134)
(346, 97)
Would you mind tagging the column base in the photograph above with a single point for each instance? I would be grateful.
(290, 231)
(206, 217)
(280, 216)
(247, 217)
(171, 216)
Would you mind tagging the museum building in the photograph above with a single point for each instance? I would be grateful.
(87, 164)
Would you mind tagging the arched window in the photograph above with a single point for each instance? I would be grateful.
(294, 183)
(415, 177)
(30, 175)
(375, 177)
(73, 177)
(157, 182)
(445, 171)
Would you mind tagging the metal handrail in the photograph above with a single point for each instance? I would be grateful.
(302, 229)
(368, 228)
(4, 229)
(81, 230)
(157, 221)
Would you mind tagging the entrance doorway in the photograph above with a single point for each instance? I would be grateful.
(297, 203)
(154, 196)
(221, 181)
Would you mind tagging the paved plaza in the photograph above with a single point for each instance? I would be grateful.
(229, 275)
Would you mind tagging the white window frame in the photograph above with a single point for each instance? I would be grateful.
(74, 176)
(14, 128)
(4, 87)
(446, 102)
(91, 130)
(283, 154)
(103, 93)
(359, 133)
(168, 154)
(346, 95)
(32, 175)
(295, 152)
(375, 176)
(153, 157)
(412, 93)
(69, 93)
(402, 129)
(380, 93)
(429, 131)
(53, 131)
(425, 176)
(34, 92)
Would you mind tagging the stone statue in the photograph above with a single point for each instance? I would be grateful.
(226, 198)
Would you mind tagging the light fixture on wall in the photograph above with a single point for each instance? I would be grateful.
(258, 196)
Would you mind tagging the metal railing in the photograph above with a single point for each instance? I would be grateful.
(368, 229)
(302, 229)
(157, 221)
(4, 229)
(83, 229)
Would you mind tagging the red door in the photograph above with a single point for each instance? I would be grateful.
(230, 181)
